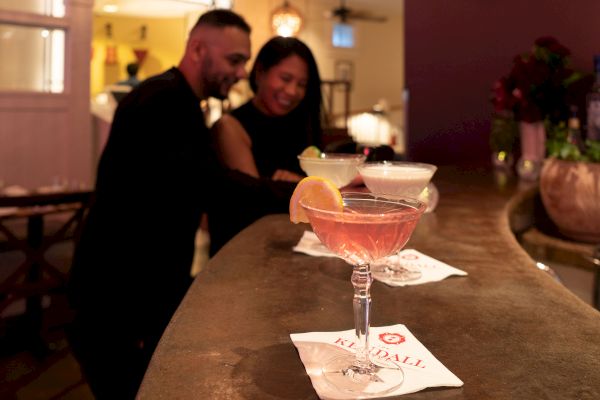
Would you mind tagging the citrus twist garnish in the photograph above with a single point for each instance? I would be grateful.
(311, 151)
(316, 192)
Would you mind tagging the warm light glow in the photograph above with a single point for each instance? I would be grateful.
(370, 128)
(57, 61)
(58, 8)
(286, 21)
(156, 8)
(228, 4)
(110, 8)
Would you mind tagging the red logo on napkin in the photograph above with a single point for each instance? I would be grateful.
(392, 338)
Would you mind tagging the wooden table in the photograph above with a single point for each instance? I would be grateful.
(35, 276)
(508, 330)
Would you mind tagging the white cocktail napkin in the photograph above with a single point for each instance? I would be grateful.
(310, 244)
(392, 346)
(432, 270)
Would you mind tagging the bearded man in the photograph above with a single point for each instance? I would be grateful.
(156, 176)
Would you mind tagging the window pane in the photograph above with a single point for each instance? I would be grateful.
(53, 8)
(37, 59)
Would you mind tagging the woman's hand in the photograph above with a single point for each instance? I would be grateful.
(284, 175)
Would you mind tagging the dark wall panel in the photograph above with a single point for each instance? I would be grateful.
(455, 50)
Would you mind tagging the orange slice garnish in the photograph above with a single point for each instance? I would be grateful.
(317, 192)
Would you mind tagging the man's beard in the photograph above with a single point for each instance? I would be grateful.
(213, 89)
(213, 84)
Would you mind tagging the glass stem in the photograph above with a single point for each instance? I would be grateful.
(361, 280)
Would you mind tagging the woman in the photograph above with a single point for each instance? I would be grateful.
(263, 137)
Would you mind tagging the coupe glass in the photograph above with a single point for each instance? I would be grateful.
(394, 180)
(340, 168)
(369, 228)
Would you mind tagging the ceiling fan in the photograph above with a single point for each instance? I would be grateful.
(345, 14)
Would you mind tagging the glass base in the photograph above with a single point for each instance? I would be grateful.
(396, 273)
(373, 380)
(529, 170)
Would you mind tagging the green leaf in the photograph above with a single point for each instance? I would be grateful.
(593, 150)
(558, 146)
(570, 152)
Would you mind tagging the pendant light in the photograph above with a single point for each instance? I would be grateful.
(286, 20)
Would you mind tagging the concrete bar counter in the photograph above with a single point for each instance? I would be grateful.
(508, 329)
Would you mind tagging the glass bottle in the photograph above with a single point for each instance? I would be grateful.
(574, 130)
(593, 105)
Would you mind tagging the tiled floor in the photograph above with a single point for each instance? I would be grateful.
(24, 373)
(54, 376)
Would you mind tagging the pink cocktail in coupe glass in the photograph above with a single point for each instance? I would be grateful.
(394, 180)
(368, 228)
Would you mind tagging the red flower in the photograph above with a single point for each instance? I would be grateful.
(559, 50)
(538, 85)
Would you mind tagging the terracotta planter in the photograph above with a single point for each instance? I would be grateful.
(571, 195)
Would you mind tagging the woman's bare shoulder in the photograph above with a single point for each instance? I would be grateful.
(226, 121)
(228, 127)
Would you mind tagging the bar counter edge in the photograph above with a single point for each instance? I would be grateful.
(507, 330)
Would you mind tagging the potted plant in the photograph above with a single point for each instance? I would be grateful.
(540, 87)
(570, 185)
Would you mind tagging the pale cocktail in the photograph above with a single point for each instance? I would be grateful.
(340, 168)
(396, 179)
(368, 228)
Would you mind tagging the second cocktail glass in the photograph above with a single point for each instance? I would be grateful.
(368, 228)
(394, 180)
(340, 168)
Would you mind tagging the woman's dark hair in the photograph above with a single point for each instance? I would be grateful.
(309, 109)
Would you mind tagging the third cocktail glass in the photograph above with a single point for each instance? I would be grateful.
(368, 228)
(394, 180)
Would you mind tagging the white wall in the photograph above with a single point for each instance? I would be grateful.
(378, 56)
(43, 136)
(47, 136)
